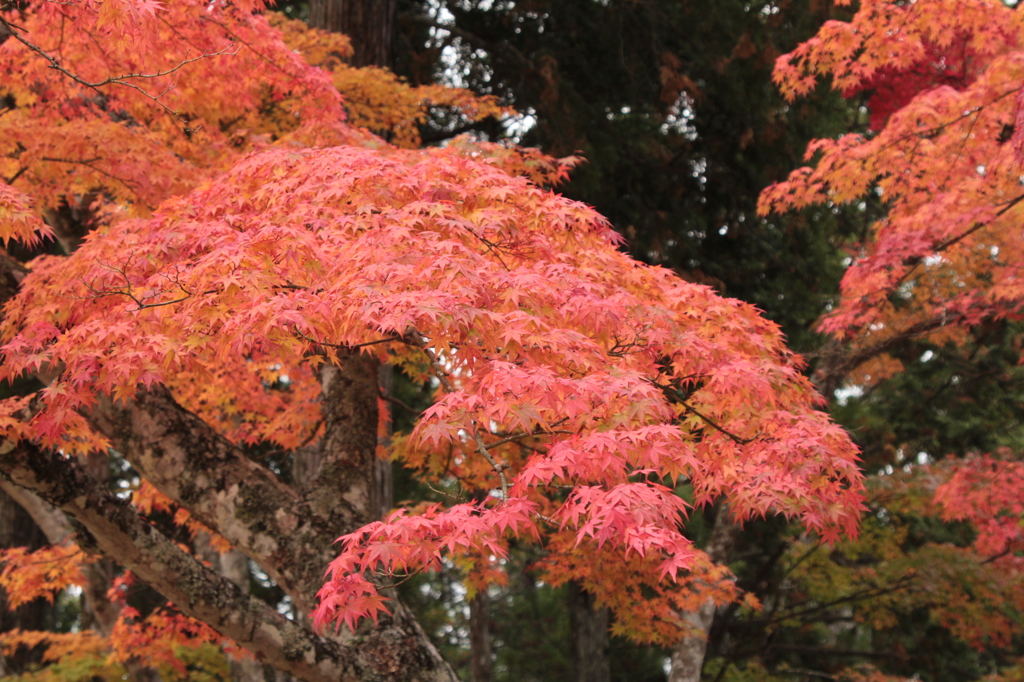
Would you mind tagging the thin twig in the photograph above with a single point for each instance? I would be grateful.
(127, 289)
(524, 434)
(499, 467)
(88, 163)
(122, 80)
(235, 36)
(710, 422)
(396, 401)
(903, 582)
(550, 520)
(460, 498)
(344, 346)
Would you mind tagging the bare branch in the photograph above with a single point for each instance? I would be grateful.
(515, 437)
(342, 346)
(713, 424)
(88, 163)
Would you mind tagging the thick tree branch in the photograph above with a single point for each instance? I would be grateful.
(192, 464)
(50, 520)
(839, 361)
(116, 529)
(289, 535)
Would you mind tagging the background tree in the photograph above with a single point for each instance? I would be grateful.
(929, 331)
(672, 106)
(369, 25)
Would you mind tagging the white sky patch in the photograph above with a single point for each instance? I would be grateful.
(517, 126)
(285, 608)
(844, 394)
(680, 118)
(453, 75)
(455, 72)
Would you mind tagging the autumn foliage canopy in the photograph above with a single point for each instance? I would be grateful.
(942, 158)
(232, 230)
(244, 233)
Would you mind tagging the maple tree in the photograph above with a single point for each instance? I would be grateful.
(239, 267)
(935, 276)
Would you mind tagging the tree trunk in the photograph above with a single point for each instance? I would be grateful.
(481, 662)
(589, 632)
(369, 24)
(383, 495)
(17, 529)
(688, 656)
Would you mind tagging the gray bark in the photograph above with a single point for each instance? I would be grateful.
(234, 566)
(688, 656)
(288, 532)
(116, 529)
(290, 535)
